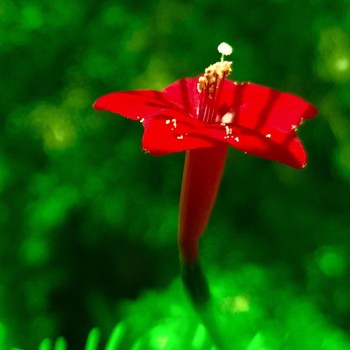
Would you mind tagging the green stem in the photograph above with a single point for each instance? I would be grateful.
(196, 284)
(197, 287)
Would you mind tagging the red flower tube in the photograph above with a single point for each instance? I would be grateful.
(200, 183)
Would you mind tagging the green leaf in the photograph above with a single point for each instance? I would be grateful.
(60, 344)
(46, 344)
(93, 339)
(116, 337)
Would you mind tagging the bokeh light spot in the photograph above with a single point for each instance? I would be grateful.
(52, 210)
(31, 17)
(55, 126)
(35, 251)
(161, 335)
(334, 50)
(331, 261)
(239, 303)
(114, 16)
(342, 63)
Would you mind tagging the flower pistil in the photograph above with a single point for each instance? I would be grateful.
(210, 86)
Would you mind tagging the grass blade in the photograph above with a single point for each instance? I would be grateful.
(93, 339)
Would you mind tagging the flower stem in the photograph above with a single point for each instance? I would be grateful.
(200, 184)
(197, 287)
(196, 284)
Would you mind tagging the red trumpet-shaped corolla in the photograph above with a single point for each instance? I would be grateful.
(203, 116)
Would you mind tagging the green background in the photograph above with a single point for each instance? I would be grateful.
(88, 222)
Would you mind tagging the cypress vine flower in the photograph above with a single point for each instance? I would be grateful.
(203, 116)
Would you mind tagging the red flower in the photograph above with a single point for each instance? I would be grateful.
(204, 115)
(252, 118)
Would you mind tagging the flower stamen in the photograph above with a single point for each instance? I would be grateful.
(210, 85)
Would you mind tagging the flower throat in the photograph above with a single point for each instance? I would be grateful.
(210, 85)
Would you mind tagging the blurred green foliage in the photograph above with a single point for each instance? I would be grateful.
(88, 222)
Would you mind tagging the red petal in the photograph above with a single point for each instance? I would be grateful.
(260, 108)
(277, 146)
(171, 132)
(283, 148)
(135, 105)
(184, 94)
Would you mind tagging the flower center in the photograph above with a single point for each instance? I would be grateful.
(210, 86)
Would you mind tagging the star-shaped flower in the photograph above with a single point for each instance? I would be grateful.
(204, 115)
(210, 110)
